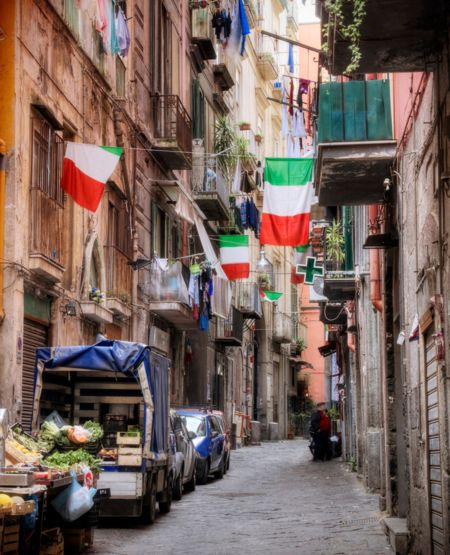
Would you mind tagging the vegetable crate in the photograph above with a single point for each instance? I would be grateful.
(52, 542)
(128, 438)
(76, 540)
(10, 537)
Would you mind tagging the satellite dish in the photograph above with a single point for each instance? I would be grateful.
(316, 290)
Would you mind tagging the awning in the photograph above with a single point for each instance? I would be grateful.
(302, 363)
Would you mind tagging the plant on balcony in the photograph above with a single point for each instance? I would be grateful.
(259, 138)
(264, 281)
(224, 140)
(123, 296)
(350, 32)
(96, 295)
(300, 345)
(244, 126)
(334, 243)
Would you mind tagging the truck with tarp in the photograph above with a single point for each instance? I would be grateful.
(123, 386)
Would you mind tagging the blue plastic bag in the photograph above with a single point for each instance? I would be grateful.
(74, 501)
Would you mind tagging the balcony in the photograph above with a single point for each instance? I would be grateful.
(96, 312)
(247, 299)
(333, 313)
(339, 286)
(232, 225)
(222, 77)
(172, 132)
(355, 148)
(282, 327)
(267, 65)
(47, 225)
(229, 332)
(405, 40)
(203, 33)
(167, 292)
(210, 189)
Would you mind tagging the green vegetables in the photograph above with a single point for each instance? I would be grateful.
(47, 436)
(66, 460)
(95, 429)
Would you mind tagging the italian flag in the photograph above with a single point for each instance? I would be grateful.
(269, 296)
(235, 256)
(86, 169)
(287, 201)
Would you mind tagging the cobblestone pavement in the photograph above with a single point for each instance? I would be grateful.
(273, 500)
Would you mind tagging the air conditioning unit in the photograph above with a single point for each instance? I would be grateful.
(316, 290)
(159, 339)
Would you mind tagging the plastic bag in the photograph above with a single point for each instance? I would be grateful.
(56, 418)
(74, 501)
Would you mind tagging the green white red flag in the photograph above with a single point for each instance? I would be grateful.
(235, 256)
(287, 201)
(269, 296)
(86, 169)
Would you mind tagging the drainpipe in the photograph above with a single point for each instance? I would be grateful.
(2, 218)
(375, 281)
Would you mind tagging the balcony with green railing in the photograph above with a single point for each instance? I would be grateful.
(356, 146)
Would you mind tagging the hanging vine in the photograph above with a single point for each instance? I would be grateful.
(350, 32)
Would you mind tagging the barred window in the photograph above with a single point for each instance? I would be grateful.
(48, 155)
(119, 235)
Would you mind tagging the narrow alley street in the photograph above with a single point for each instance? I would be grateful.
(273, 500)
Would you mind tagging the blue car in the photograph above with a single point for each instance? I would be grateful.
(205, 430)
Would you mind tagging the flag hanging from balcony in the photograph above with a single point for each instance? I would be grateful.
(287, 201)
(269, 296)
(86, 169)
(235, 256)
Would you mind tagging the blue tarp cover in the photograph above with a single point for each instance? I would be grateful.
(119, 356)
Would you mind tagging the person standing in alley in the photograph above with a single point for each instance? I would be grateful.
(320, 429)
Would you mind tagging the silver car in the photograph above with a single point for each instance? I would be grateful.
(185, 457)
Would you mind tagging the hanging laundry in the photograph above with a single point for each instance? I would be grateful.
(112, 26)
(298, 125)
(236, 186)
(245, 27)
(304, 86)
(291, 97)
(284, 115)
(235, 32)
(101, 21)
(122, 32)
(218, 22)
(291, 58)
(290, 146)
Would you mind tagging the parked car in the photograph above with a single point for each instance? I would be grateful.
(208, 437)
(185, 456)
(226, 431)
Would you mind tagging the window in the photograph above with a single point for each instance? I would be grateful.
(160, 223)
(48, 154)
(120, 77)
(119, 235)
(198, 111)
(195, 424)
(214, 425)
(47, 196)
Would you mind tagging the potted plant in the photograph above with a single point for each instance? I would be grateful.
(264, 281)
(258, 138)
(334, 244)
(244, 126)
(224, 143)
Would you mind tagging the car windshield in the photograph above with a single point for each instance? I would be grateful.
(195, 424)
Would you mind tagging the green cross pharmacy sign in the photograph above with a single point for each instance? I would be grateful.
(309, 270)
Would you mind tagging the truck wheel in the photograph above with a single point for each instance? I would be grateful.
(219, 474)
(166, 502)
(190, 486)
(202, 478)
(177, 492)
(149, 509)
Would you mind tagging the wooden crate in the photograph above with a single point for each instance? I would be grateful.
(74, 540)
(128, 438)
(127, 450)
(129, 460)
(11, 536)
(24, 508)
(52, 542)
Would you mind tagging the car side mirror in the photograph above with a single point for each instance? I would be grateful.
(191, 435)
